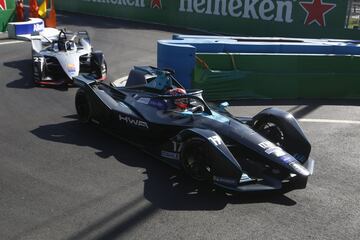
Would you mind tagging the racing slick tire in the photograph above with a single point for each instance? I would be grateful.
(83, 106)
(196, 159)
(36, 74)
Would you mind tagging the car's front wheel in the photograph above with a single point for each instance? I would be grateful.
(83, 106)
(271, 130)
(196, 160)
(36, 74)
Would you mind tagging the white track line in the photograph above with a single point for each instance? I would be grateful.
(328, 121)
(11, 42)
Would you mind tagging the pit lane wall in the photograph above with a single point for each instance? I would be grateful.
(289, 18)
(275, 68)
(7, 13)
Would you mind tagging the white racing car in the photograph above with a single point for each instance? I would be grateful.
(57, 60)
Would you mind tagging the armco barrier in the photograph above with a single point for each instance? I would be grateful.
(7, 13)
(230, 67)
(241, 17)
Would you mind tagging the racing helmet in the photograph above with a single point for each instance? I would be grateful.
(182, 103)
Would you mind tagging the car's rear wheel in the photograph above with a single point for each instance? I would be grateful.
(196, 160)
(83, 107)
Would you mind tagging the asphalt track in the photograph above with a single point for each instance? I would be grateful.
(63, 180)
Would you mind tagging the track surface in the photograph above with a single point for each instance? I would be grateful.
(62, 180)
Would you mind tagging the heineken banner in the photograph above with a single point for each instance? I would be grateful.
(7, 13)
(295, 18)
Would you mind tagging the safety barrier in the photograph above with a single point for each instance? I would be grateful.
(25, 29)
(234, 67)
(277, 76)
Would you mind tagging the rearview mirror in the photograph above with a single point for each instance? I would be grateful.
(224, 105)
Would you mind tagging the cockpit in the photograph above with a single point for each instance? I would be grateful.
(167, 93)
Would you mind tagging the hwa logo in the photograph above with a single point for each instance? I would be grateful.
(265, 10)
(156, 4)
(135, 122)
(3, 4)
(316, 11)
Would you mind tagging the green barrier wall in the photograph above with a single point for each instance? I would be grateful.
(234, 76)
(7, 13)
(295, 18)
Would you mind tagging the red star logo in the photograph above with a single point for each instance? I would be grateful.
(316, 11)
(3, 4)
(155, 4)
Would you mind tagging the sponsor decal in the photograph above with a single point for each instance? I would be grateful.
(170, 155)
(225, 180)
(143, 100)
(3, 5)
(216, 140)
(271, 148)
(266, 10)
(71, 67)
(287, 158)
(266, 145)
(135, 122)
(38, 27)
(277, 151)
(158, 103)
(316, 11)
(156, 4)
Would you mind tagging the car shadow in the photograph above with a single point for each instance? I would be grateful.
(25, 81)
(182, 193)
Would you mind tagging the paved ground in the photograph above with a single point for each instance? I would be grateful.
(62, 180)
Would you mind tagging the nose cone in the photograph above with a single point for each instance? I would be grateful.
(299, 169)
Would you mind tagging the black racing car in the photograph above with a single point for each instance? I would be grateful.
(154, 112)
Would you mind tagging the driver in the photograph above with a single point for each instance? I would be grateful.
(62, 41)
(180, 103)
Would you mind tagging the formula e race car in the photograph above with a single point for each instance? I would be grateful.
(153, 111)
(56, 61)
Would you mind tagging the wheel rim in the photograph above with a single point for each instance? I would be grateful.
(196, 163)
(272, 132)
